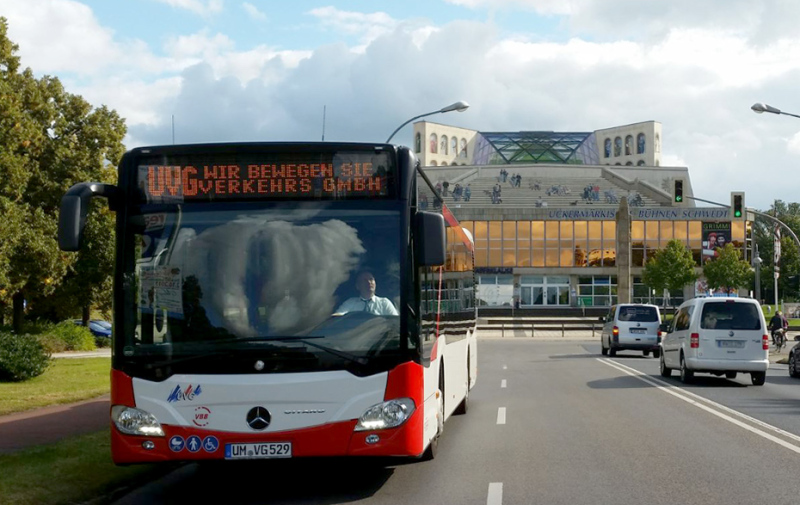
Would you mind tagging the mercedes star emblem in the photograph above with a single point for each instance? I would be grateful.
(258, 418)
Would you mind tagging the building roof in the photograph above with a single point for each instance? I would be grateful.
(495, 148)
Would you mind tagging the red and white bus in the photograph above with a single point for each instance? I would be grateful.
(282, 300)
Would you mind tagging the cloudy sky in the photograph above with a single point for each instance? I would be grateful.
(264, 70)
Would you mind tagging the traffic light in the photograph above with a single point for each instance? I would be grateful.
(737, 205)
(677, 193)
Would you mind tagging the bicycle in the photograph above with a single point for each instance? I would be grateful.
(779, 339)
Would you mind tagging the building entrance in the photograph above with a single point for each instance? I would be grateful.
(538, 291)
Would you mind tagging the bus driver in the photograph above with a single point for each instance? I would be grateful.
(367, 301)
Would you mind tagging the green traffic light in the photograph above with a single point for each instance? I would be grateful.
(738, 213)
(678, 198)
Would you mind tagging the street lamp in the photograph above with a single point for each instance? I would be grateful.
(760, 108)
(459, 106)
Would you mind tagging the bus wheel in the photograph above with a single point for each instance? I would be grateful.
(464, 405)
(432, 449)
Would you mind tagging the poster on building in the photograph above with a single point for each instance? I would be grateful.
(715, 237)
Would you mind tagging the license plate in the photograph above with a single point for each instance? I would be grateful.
(266, 450)
(731, 344)
(638, 330)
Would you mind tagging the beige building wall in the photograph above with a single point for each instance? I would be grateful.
(624, 142)
(427, 135)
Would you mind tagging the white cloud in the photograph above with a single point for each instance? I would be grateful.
(197, 6)
(793, 144)
(760, 22)
(220, 53)
(253, 12)
(59, 35)
(697, 79)
(366, 27)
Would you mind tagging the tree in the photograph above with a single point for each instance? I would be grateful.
(49, 140)
(763, 234)
(728, 271)
(671, 268)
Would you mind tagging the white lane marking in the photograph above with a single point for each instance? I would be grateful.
(718, 405)
(686, 396)
(505, 367)
(495, 494)
(501, 415)
(503, 383)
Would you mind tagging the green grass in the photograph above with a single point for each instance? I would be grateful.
(68, 380)
(74, 470)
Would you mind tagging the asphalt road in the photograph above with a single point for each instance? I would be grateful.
(556, 423)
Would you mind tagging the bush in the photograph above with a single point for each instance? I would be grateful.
(101, 342)
(21, 357)
(69, 335)
(52, 342)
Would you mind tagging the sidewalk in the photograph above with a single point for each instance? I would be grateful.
(104, 352)
(47, 425)
(51, 424)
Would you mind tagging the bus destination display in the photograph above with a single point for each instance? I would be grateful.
(338, 179)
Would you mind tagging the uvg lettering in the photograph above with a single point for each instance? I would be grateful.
(231, 180)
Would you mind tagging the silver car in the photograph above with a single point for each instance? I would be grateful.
(631, 326)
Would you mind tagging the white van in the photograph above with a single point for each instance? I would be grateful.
(631, 326)
(715, 335)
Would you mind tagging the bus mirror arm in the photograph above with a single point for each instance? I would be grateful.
(74, 205)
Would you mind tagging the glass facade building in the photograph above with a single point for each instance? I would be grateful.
(543, 208)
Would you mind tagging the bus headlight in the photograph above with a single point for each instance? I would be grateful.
(389, 414)
(133, 421)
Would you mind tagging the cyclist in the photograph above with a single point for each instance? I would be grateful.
(776, 324)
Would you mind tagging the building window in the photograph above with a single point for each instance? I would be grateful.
(418, 143)
(557, 244)
(495, 290)
(628, 145)
(640, 163)
(433, 163)
(640, 143)
(433, 143)
(453, 146)
(463, 148)
(443, 145)
(657, 144)
(618, 146)
(629, 164)
(607, 148)
(597, 291)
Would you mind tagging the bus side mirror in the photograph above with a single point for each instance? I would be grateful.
(430, 239)
(74, 204)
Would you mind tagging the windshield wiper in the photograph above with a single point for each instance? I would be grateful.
(203, 355)
(193, 357)
(304, 340)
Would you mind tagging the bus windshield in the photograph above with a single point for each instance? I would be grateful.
(236, 275)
